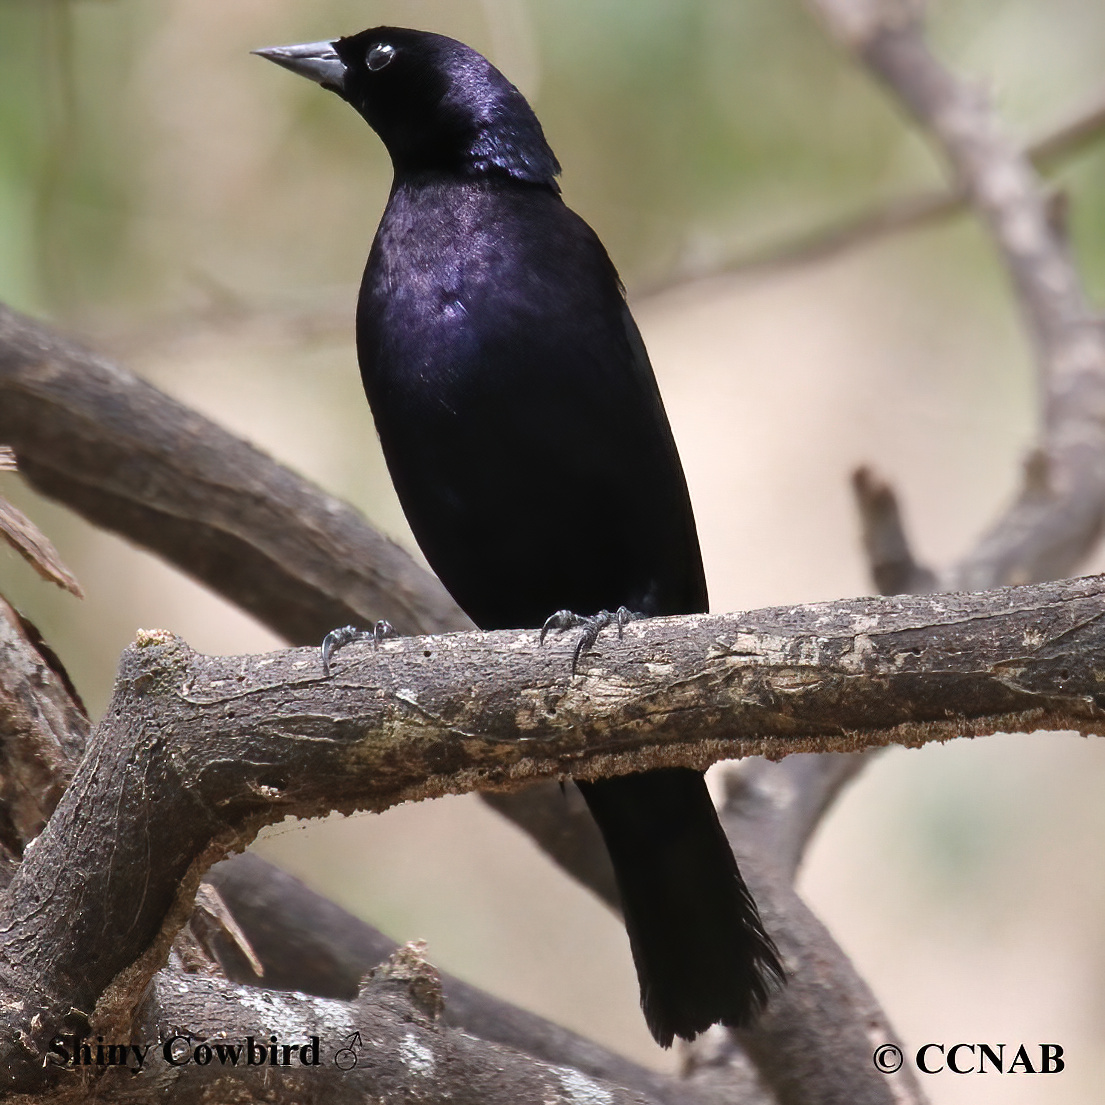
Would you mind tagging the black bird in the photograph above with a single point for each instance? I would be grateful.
(527, 440)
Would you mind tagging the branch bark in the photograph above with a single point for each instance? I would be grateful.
(43, 730)
(388, 1045)
(130, 459)
(307, 943)
(195, 753)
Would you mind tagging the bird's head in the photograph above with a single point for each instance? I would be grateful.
(436, 103)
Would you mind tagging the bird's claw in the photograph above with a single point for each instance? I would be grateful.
(592, 626)
(338, 638)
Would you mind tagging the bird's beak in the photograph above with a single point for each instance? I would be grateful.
(317, 61)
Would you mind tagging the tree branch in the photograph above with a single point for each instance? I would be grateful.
(893, 569)
(43, 730)
(787, 1046)
(389, 1044)
(53, 401)
(131, 460)
(305, 942)
(308, 943)
(195, 753)
(1059, 514)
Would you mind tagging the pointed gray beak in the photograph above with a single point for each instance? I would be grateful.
(317, 61)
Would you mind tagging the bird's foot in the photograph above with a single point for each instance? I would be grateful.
(338, 638)
(592, 626)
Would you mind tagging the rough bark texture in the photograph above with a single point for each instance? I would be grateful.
(388, 1045)
(195, 753)
(43, 728)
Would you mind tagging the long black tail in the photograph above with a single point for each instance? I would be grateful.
(701, 951)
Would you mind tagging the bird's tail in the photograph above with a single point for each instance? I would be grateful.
(700, 949)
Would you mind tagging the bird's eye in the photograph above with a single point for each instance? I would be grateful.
(379, 56)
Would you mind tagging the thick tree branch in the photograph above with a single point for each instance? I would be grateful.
(228, 515)
(388, 1045)
(134, 461)
(62, 391)
(195, 753)
(304, 941)
(308, 943)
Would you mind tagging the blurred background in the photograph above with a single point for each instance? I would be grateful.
(203, 217)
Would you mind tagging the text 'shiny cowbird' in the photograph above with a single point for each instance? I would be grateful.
(525, 434)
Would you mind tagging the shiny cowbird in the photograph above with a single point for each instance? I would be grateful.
(526, 437)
